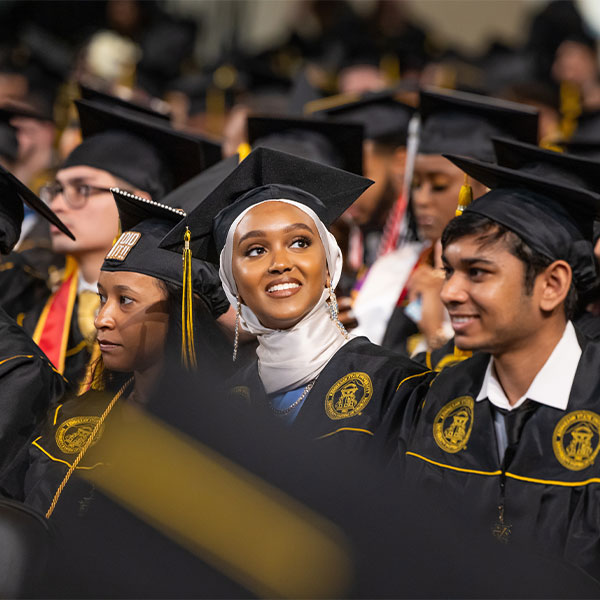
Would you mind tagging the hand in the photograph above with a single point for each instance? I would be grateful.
(345, 314)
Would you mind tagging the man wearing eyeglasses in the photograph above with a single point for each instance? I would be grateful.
(121, 148)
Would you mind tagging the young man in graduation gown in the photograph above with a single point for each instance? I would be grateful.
(458, 122)
(509, 438)
(123, 148)
(29, 384)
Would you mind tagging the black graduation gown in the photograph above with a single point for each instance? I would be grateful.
(24, 291)
(549, 490)
(28, 386)
(399, 329)
(360, 395)
(78, 349)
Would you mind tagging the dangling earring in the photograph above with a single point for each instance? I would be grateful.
(236, 335)
(334, 311)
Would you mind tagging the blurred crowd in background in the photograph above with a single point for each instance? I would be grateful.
(192, 60)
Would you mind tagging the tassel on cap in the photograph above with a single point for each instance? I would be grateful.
(465, 197)
(188, 350)
(243, 150)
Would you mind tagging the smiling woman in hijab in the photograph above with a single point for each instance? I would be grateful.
(266, 225)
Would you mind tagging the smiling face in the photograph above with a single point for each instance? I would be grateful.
(279, 263)
(133, 321)
(486, 298)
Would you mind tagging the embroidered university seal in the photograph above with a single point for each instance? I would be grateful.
(453, 424)
(74, 432)
(576, 439)
(348, 396)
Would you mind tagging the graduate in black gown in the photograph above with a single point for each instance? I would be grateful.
(267, 225)
(29, 384)
(509, 438)
(121, 147)
(461, 123)
(141, 290)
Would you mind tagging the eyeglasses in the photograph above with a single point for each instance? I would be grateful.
(76, 195)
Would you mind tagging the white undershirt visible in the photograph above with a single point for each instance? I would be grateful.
(85, 286)
(551, 386)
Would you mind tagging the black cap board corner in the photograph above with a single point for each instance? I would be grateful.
(333, 144)
(464, 123)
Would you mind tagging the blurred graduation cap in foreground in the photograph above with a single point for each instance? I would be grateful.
(13, 193)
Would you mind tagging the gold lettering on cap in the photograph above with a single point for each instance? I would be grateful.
(123, 245)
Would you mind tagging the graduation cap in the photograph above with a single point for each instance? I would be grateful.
(95, 95)
(144, 151)
(462, 123)
(332, 144)
(265, 174)
(385, 119)
(13, 193)
(552, 216)
(144, 224)
(586, 139)
(548, 164)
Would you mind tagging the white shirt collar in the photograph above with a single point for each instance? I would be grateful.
(552, 384)
(84, 285)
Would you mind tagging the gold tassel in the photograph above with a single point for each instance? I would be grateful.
(188, 351)
(465, 197)
(243, 150)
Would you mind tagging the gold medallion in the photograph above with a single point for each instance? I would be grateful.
(73, 433)
(576, 439)
(348, 396)
(241, 391)
(453, 424)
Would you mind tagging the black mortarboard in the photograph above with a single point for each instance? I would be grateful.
(265, 175)
(553, 166)
(12, 195)
(462, 123)
(333, 144)
(385, 119)
(586, 139)
(145, 223)
(553, 217)
(88, 93)
(144, 151)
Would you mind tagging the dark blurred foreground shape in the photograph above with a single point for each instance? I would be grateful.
(204, 499)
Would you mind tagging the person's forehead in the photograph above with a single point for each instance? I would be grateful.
(135, 281)
(477, 245)
(275, 214)
(436, 163)
(85, 173)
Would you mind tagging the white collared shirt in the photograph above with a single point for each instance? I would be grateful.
(551, 386)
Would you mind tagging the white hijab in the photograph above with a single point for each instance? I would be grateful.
(290, 358)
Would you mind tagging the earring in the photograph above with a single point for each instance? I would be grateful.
(334, 312)
(236, 335)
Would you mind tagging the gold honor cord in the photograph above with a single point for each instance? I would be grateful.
(87, 444)
(252, 532)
